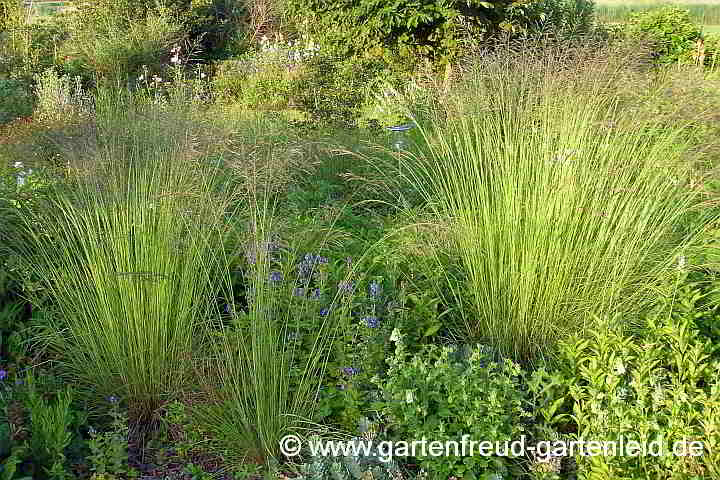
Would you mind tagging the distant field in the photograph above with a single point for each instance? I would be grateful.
(46, 7)
(705, 12)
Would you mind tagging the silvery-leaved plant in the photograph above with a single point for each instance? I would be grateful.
(370, 465)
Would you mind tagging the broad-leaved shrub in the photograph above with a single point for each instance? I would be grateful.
(670, 29)
(661, 387)
(443, 393)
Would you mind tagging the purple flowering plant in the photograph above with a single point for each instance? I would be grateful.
(318, 291)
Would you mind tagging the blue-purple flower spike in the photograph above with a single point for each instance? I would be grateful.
(347, 287)
(401, 128)
(371, 322)
(374, 289)
(307, 265)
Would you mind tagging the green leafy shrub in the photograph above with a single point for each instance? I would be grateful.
(337, 91)
(11, 313)
(178, 422)
(214, 26)
(430, 28)
(109, 449)
(222, 28)
(696, 297)
(15, 100)
(443, 393)
(269, 87)
(30, 49)
(264, 78)
(565, 17)
(348, 394)
(42, 426)
(300, 75)
(671, 31)
(21, 186)
(27, 46)
(49, 429)
(659, 387)
(61, 124)
(228, 80)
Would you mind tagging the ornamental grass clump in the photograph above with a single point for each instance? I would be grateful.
(269, 361)
(560, 196)
(125, 251)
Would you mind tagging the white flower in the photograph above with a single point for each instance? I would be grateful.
(20, 180)
(175, 59)
(156, 79)
(409, 397)
(202, 75)
(18, 165)
(395, 336)
(619, 368)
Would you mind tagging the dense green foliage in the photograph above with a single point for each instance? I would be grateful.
(427, 27)
(445, 393)
(660, 389)
(15, 100)
(670, 29)
(210, 239)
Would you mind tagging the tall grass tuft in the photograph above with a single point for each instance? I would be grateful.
(268, 363)
(561, 201)
(125, 251)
